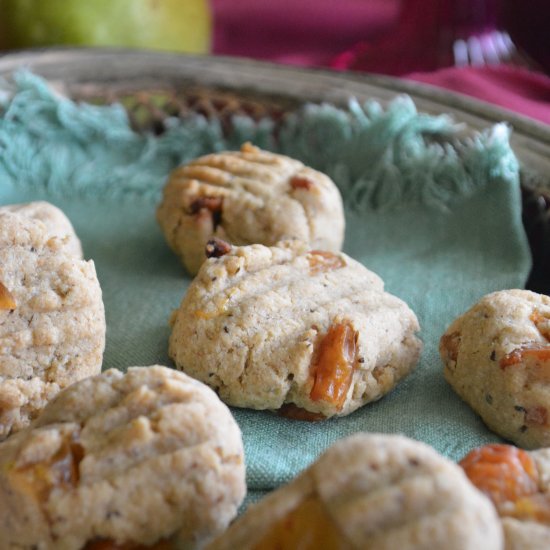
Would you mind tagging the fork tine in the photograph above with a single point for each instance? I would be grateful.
(475, 52)
(460, 53)
(490, 51)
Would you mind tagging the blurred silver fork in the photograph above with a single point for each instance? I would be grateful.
(490, 48)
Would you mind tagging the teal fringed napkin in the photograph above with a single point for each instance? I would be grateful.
(438, 217)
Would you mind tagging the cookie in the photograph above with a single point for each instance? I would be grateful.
(309, 333)
(143, 458)
(52, 320)
(371, 491)
(57, 224)
(518, 483)
(245, 197)
(497, 358)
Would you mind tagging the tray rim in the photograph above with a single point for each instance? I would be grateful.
(176, 67)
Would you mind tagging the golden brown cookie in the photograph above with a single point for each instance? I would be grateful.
(497, 358)
(309, 333)
(57, 224)
(143, 458)
(371, 491)
(52, 320)
(248, 196)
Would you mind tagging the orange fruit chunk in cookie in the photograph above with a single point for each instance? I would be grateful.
(216, 248)
(306, 527)
(207, 212)
(535, 508)
(213, 204)
(300, 182)
(534, 352)
(61, 471)
(503, 472)
(7, 301)
(542, 323)
(449, 344)
(321, 261)
(535, 358)
(334, 363)
(509, 477)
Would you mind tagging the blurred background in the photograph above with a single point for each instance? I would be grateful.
(384, 36)
(486, 48)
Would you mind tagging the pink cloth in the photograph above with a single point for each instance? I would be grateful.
(423, 38)
(298, 32)
(398, 37)
(520, 90)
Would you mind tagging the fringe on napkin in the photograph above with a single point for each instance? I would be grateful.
(379, 157)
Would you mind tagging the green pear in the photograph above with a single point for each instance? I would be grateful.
(176, 25)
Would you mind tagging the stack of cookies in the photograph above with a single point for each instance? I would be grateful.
(278, 317)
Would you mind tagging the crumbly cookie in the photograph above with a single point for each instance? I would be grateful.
(52, 321)
(497, 358)
(150, 456)
(57, 224)
(518, 483)
(311, 333)
(371, 491)
(248, 196)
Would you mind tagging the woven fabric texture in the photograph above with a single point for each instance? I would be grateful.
(434, 210)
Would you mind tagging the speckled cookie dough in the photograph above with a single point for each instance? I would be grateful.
(497, 358)
(371, 491)
(248, 196)
(311, 334)
(52, 320)
(518, 483)
(143, 458)
(57, 224)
